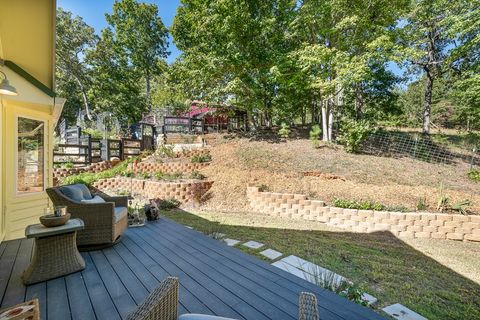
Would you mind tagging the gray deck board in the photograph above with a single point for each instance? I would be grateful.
(214, 279)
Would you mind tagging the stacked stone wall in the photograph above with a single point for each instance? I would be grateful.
(408, 225)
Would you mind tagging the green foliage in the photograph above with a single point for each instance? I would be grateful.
(284, 130)
(474, 175)
(168, 176)
(461, 206)
(164, 151)
(361, 205)
(168, 204)
(263, 188)
(88, 178)
(197, 175)
(422, 204)
(201, 158)
(143, 175)
(315, 134)
(94, 133)
(353, 133)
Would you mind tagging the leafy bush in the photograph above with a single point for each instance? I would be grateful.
(474, 175)
(201, 158)
(165, 152)
(172, 176)
(167, 204)
(197, 175)
(143, 175)
(315, 135)
(421, 204)
(127, 173)
(284, 131)
(353, 133)
(94, 133)
(461, 206)
(263, 188)
(361, 205)
(89, 178)
(159, 175)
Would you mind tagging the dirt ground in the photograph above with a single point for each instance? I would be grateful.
(329, 172)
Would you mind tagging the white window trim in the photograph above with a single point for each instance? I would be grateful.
(45, 164)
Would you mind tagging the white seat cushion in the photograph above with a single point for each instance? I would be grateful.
(120, 213)
(96, 199)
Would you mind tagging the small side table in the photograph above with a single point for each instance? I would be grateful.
(55, 251)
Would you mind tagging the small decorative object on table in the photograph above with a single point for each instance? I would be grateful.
(27, 310)
(55, 218)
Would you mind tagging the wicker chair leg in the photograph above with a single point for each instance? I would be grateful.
(308, 307)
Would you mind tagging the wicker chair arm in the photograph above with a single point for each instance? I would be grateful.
(308, 307)
(119, 201)
(161, 303)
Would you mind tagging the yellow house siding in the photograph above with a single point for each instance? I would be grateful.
(2, 170)
(23, 209)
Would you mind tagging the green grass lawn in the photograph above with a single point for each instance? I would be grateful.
(383, 265)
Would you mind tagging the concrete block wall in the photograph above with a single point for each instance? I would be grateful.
(409, 225)
(168, 167)
(93, 168)
(182, 191)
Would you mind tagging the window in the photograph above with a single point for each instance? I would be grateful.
(30, 155)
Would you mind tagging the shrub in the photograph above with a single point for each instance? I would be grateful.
(421, 204)
(284, 131)
(143, 175)
(361, 205)
(474, 175)
(461, 206)
(201, 158)
(315, 135)
(197, 175)
(353, 133)
(159, 175)
(68, 165)
(165, 152)
(172, 176)
(89, 178)
(127, 173)
(263, 188)
(167, 204)
(94, 133)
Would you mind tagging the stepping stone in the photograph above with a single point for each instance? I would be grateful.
(401, 312)
(217, 235)
(294, 261)
(369, 298)
(271, 254)
(290, 269)
(253, 244)
(231, 242)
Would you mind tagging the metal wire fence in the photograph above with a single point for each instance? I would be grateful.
(418, 146)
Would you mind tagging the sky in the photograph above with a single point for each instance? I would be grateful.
(93, 13)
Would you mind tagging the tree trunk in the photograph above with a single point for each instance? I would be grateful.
(149, 98)
(325, 113)
(85, 99)
(427, 103)
(330, 122)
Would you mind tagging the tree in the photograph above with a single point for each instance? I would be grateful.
(346, 45)
(74, 39)
(141, 36)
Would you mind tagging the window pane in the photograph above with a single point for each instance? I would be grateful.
(30, 162)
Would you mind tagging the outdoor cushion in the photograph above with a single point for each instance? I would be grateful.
(72, 192)
(96, 199)
(86, 193)
(193, 316)
(120, 213)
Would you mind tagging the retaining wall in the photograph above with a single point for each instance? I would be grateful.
(93, 168)
(168, 167)
(411, 225)
(182, 191)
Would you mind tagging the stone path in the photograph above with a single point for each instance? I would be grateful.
(253, 244)
(401, 312)
(231, 242)
(271, 254)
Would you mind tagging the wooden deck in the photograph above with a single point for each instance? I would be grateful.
(215, 279)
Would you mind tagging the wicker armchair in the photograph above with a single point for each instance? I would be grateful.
(104, 222)
(162, 304)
